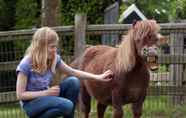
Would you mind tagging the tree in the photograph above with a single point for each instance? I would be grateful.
(50, 12)
(7, 14)
(93, 8)
(27, 14)
(180, 6)
(162, 11)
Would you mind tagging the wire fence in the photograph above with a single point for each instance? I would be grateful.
(167, 91)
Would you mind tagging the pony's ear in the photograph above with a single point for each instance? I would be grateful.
(134, 22)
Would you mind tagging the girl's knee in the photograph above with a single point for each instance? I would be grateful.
(67, 107)
(72, 81)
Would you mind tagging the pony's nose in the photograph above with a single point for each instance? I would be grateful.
(152, 51)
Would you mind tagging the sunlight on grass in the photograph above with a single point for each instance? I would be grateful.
(11, 111)
(154, 107)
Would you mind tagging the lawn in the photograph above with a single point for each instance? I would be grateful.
(154, 107)
(11, 111)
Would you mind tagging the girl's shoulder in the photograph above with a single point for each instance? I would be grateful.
(26, 60)
(59, 57)
(58, 60)
(24, 65)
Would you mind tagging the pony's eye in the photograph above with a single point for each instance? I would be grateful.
(145, 49)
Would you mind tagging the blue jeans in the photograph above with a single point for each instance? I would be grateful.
(53, 106)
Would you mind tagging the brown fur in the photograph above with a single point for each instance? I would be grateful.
(131, 76)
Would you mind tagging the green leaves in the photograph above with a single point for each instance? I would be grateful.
(7, 17)
(26, 14)
(21, 14)
(162, 11)
(93, 8)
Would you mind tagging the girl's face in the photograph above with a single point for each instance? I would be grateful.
(52, 50)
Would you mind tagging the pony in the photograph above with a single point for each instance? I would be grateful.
(130, 78)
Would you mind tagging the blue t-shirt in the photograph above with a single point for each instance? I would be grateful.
(35, 80)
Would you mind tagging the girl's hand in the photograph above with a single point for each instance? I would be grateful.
(106, 76)
(53, 91)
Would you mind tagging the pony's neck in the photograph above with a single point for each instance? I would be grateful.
(126, 57)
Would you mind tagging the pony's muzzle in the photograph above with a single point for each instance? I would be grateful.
(151, 57)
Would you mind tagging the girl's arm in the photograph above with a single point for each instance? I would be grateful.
(85, 75)
(22, 94)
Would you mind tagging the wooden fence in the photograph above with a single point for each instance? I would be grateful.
(176, 58)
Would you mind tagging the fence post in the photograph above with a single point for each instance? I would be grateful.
(184, 80)
(80, 33)
(176, 70)
(79, 46)
(184, 71)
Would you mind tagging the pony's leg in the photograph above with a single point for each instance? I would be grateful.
(137, 107)
(85, 100)
(117, 104)
(101, 110)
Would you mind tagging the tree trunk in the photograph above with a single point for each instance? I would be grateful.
(50, 12)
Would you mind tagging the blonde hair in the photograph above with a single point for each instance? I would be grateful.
(126, 57)
(38, 49)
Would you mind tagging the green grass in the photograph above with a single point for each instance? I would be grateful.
(154, 107)
(11, 111)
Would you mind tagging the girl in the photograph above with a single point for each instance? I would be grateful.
(34, 75)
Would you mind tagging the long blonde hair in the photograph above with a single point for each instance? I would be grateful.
(38, 49)
(126, 57)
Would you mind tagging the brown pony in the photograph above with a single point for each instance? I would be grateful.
(131, 76)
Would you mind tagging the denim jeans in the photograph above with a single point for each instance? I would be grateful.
(55, 106)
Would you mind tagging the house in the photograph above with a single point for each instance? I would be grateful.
(111, 16)
(130, 14)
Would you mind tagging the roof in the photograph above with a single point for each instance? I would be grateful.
(131, 10)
